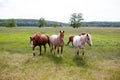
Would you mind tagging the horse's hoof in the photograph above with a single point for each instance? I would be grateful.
(33, 54)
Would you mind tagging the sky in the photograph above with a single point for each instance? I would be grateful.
(60, 10)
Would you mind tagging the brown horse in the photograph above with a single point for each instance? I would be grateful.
(57, 41)
(39, 40)
(71, 38)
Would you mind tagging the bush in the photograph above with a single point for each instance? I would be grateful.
(10, 23)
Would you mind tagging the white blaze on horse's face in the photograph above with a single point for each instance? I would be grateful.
(31, 43)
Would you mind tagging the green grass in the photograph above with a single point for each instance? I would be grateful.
(101, 61)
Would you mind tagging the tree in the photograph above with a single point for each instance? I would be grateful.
(10, 23)
(55, 24)
(41, 22)
(75, 20)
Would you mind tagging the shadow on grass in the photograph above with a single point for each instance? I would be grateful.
(56, 60)
(70, 45)
(80, 61)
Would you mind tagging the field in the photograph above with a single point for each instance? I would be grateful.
(101, 61)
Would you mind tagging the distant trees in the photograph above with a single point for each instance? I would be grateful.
(10, 23)
(41, 22)
(55, 24)
(34, 23)
(75, 20)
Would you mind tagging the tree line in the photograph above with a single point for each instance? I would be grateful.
(76, 21)
(101, 24)
(30, 22)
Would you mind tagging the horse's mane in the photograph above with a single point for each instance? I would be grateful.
(37, 37)
(85, 36)
(36, 34)
(83, 33)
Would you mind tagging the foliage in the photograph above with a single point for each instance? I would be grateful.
(41, 22)
(101, 24)
(55, 24)
(75, 20)
(10, 23)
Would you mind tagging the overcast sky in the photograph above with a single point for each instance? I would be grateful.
(60, 10)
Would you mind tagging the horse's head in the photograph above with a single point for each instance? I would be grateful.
(31, 41)
(89, 39)
(61, 34)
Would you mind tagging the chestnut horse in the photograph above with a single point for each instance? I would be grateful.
(39, 40)
(79, 42)
(57, 41)
(71, 38)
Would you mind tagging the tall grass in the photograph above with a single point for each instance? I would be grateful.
(101, 61)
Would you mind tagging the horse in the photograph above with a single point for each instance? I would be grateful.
(39, 40)
(79, 42)
(57, 41)
(71, 38)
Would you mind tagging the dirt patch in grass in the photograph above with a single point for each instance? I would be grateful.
(109, 64)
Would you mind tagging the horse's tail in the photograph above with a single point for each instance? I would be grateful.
(48, 40)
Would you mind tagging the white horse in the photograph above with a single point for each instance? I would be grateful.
(79, 42)
(57, 41)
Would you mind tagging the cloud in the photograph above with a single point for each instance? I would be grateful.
(60, 10)
(4, 3)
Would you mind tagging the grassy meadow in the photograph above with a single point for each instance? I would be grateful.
(101, 61)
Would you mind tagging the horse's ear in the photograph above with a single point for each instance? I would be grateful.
(30, 37)
(61, 31)
(87, 35)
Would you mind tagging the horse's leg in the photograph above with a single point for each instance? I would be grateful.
(61, 51)
(51, 47)
(83, 51)
(33, 50)
(44, 48)
(68, 42)
(58, 50)
(40, 50)
(72, 43)
(49, 43)
(55, 48)
(77, 51)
